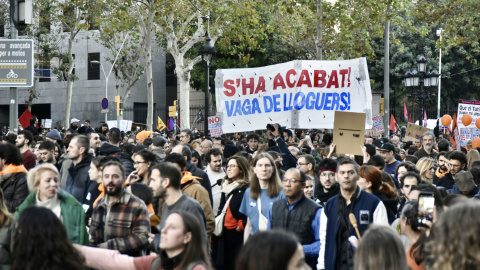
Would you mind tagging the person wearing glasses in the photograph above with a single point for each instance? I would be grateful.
(298, 214)
(328, 186)
(457, 161)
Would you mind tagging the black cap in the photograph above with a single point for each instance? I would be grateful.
(377, 142)
(387, 147)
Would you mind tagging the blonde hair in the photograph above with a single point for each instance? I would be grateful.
(33, 177)
(423, 165)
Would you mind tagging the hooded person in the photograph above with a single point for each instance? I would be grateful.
(465, 185)
(111, 150)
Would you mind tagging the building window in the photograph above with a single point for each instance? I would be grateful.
(2, 30)
(93, 69)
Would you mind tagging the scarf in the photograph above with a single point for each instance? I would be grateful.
(187, 177)
(11, 169)
(344, 248)
(439, 174)
(170, 263)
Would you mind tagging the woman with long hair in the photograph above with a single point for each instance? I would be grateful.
(379, 249)
(142, 162)
(370, 180)
(454, 241)
(275, 249)
(181, 242)
(41, 243)
(416, 238)
(426, 166)
(265, 188)
(6, 230)
(234, 186)
(197, 160)
(43, 182)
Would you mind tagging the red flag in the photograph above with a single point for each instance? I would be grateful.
(25, 118)
(393, 123)
(405, 114)
(410, 118)
(454, 126)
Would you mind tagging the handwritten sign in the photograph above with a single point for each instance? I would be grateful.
(378, 124)
(414, 132)
(215, 126)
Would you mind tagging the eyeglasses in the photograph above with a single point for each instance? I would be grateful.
(231, 166)
(291, 181)
(139, 162)
(302, 164)
(455, 165)
(331, 174)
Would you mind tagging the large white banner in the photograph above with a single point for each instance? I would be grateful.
(296, 94)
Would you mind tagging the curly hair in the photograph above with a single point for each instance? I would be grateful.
(42, 238)
(454, 244)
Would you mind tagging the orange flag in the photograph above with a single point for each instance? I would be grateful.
(393, 123)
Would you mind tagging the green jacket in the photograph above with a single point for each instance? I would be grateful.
(72, 213)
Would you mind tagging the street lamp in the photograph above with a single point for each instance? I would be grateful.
(207, 51)
(106, 81)
(422, 77)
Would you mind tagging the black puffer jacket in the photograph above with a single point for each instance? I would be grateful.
(111, 150)
(15, 189)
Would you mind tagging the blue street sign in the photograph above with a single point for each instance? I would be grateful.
(104, 103)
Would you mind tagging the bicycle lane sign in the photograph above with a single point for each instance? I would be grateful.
(16, 62)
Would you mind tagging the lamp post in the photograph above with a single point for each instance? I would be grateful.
(421, 77)
(207, 51)
(110, 72)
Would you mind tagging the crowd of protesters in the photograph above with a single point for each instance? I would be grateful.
(270, 199)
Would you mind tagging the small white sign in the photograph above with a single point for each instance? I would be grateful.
(215, 125)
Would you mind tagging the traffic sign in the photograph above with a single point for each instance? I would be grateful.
(16, 63)
(104, 111)
(104, 103)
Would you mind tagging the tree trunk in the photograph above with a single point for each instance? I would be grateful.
(68, 102)
(148, 49)
(183, 77)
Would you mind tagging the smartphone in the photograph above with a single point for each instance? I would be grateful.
(426, 202)
(307, 136)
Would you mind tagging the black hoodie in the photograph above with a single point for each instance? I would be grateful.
(111, 150)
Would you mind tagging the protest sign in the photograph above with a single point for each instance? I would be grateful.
(348, 132)
(296, 94)
(414, 132)
(215, 126)
(465, 135)
(468, 107)
(48, 123)
(378, 124)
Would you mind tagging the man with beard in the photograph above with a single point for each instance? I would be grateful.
(23, 140)
(188, 137)
(215, 173)
(336, 230)
(47, 153)
(306, 163)
(328, 186)
(442, 169)
(120, 220)
(428, 140)
(165, 181)
(457, 161)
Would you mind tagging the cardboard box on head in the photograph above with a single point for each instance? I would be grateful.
(349, 132)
